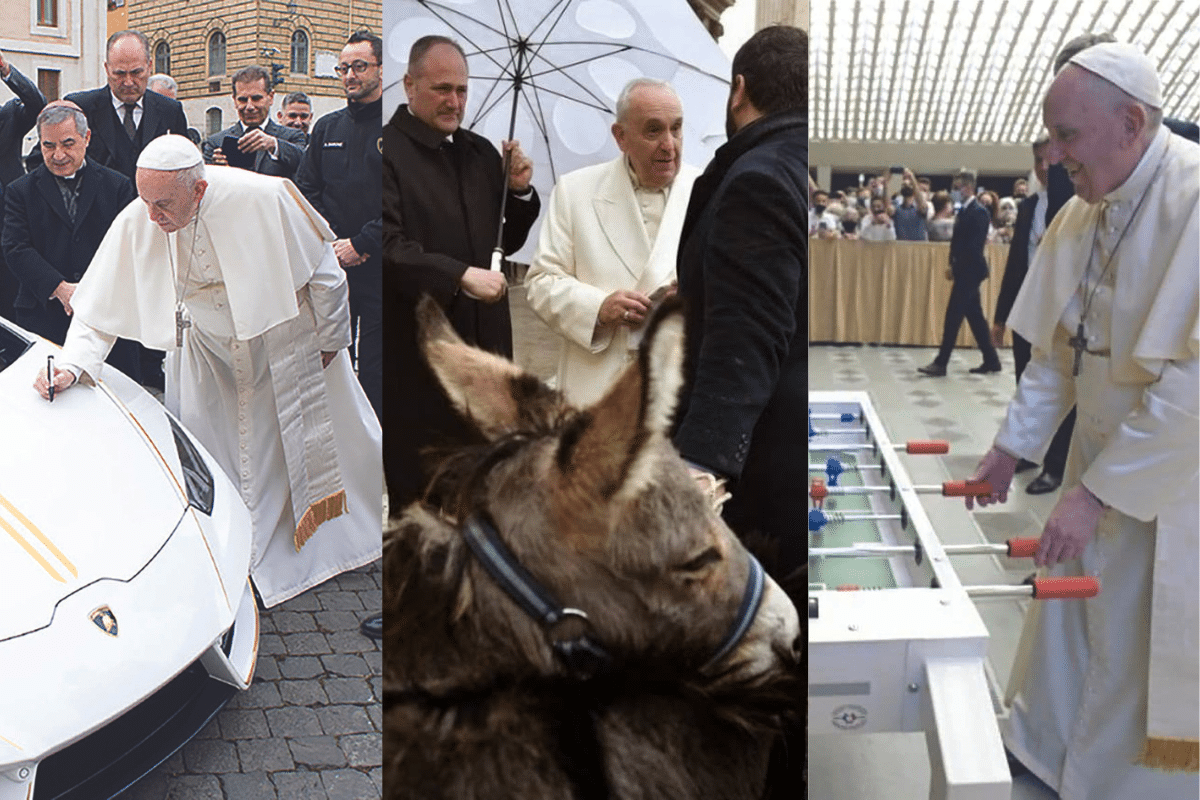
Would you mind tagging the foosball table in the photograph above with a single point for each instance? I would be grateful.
(895, 641)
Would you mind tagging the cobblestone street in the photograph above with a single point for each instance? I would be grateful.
(309, 726)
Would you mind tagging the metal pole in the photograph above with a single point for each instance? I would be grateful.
(518, 82)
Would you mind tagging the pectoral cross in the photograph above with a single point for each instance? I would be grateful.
(1078, 343)
(181, 323)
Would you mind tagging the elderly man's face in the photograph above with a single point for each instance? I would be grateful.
(128, 70)
(253, 100)
(437, 90)
(651, 135)
(169, 203)
(296, 115)
(1085, 132)
(63, 147)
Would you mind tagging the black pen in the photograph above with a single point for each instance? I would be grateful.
(50, 375)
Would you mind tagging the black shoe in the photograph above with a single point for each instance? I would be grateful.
(1024, 465)
(934, 370)
(985, 368)
(372, 627)
(1043, 484)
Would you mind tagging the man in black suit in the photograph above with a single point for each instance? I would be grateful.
(123, 116)
(54, 219)
(16, 118)
(968, 269)
(742, 268)
(277, 150)
(1032, 221)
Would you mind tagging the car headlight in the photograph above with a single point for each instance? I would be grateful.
(196, 475)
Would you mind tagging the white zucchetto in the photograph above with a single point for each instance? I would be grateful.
(1124, 66)
(169, 153)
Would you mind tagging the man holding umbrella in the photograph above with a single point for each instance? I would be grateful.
(442, 191)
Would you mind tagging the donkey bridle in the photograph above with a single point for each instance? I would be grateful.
(583, 656)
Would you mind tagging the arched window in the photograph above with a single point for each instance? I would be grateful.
(216, 53)
(162, 58)
(212, 120)
(300, 52)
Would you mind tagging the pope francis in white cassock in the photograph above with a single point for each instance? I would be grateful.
(232, 273)
(1106, 690)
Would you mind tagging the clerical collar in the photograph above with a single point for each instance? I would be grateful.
(1133, 187)
(73, 175)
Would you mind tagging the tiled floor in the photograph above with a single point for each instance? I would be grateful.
(966, 410)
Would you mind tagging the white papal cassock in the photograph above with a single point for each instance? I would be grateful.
(1107, 708)
(263, 291)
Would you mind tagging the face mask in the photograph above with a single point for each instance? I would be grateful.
(819, 209)
(907, 191)
(849, 225)
(956, 195)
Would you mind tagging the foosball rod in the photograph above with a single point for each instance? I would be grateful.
(843, 417)
(933, 447)
(1014, 548)
(1068, 588)
(820, 491)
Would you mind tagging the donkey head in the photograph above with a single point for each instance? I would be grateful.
(598, 506)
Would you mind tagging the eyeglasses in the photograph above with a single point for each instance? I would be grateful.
(359, 68)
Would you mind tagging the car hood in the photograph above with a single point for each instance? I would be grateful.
(88, 492)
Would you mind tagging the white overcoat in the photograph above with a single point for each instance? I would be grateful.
(592, 243)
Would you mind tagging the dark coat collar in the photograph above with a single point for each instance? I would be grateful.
(418, 131)
(782, 123)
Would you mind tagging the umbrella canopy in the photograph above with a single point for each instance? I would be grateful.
(551, 70)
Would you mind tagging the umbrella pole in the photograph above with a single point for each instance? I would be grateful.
(518, 81)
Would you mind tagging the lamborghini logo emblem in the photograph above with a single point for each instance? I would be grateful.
(105, 620)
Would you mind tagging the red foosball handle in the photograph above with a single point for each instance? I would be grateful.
(1070, 588)
(965, 488)
(1023, 548)
(932, 447)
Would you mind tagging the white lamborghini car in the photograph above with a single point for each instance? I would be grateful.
(126, 615)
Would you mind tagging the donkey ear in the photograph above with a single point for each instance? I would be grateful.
(603, 452)
(482, 387)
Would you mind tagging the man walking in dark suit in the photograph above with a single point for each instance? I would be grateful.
(54, 220)
(123, 116)
(968, 269)
(16, 118)
(277, 149)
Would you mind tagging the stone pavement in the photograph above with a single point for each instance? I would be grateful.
(309, 726)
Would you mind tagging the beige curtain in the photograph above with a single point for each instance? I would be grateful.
(889, 292)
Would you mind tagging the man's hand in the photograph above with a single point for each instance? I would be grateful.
(327, 357)
(1071, 525)
(624, 306)
(520, 168)
(219, 158)
(257, 140)
(5, 68)
(997, 468)
(997, 335)
(63, 294)
(347, 256)
(486, 285)
(63, 379)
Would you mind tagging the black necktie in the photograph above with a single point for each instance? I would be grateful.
(130, 127)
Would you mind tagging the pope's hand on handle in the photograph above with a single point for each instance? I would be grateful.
(997, 468)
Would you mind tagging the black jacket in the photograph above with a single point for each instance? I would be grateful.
(1017, 264)
(290, 149)
(43, 247)
(110, 146)
(743, 273)
(967, 261)
(17, 118)
(340, 175)
(441, 211)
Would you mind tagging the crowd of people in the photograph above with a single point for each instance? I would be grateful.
(229, 273)
(912, 213)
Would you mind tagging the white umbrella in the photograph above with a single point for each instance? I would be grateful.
(548, 73)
